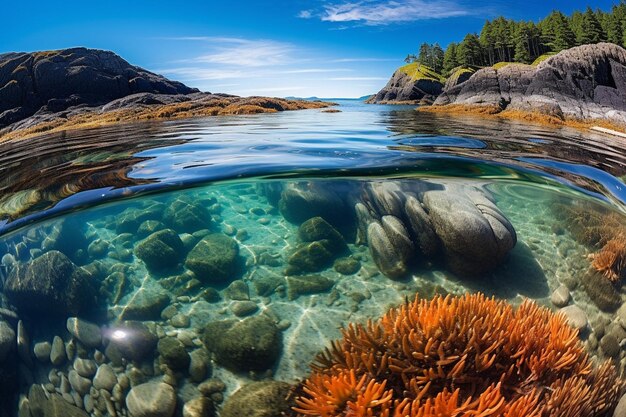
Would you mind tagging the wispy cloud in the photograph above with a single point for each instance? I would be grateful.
(249, 53)
(339, 60)
(305, 14)
(371, 12)
(358, 79)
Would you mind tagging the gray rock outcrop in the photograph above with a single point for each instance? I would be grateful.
(403, 88)
(585, 82)
(55, 80)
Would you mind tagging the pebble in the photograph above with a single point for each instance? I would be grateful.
(575, 316)
(105, 378)
(211, 386)
(79, 383)
(88, 333)
(152, 399)
(70, 349)
(53, 377)
(198, 365)
(68, 398)
(23, 343)
(186, 337)
(57, 353)
(283, 324)
(85, 367)
(88, 403)
(42, 351)
(561, 296)
(198, 407)
(65, 384)
(99, 357)
(244, 308)
(50, 388)
(180, 320)
(264, 221)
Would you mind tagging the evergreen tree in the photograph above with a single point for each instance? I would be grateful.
(424, 54)
(556, 32)
(576, 23)
(591, 28)
(449, 58)
(437, 58)
(522, 44)
(469, 51)
(487, 43)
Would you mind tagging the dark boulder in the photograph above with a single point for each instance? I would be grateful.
(51, 285)
(161, 250)
(55, 80)
(402, 87)
(215, 259)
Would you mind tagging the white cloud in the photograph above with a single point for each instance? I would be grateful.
(305, 14)
(249, 53)
(358, 79)
(372, 12)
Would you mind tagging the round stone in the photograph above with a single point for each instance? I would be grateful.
(87, 333)
(152, 399)
(561, 296)
(575, 316)
(42, 351)
(105, 378)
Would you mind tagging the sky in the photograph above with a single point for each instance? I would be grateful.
(304, 48)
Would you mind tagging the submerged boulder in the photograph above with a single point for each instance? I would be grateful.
(391, 247)
(161, 250)
(215, 259)
(152, 399)
(253, 344)
(51, 285)
(186, 216)
(316, 229)
(259, 399)
(304, 200)
(475, 234)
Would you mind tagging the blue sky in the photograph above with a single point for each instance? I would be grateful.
(329, 48)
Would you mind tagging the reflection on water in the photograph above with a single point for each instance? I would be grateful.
(117, 161)
(167, 303)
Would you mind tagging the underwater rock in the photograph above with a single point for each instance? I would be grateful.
(475, 234)
(214, 259)
(55, 406)
(115, 286)
(610, 346)
(57, 352)
(561, 296)
(237, 290)
(390, 246)
(576, 317)
(42, 351)
(173, 353)
(199, 365)
(318, 229)
(133, 340)
(259, 399)
(105, 378)
(85, 367)
(310, 257)
(7, 340)
(161, 250)
(79, 384)
(302, 200)
(307, 284)
(364, 218)
(266, 285)
(422, 228)
(199, 407)
(347, 266)
(50, 285)
(253, 344)
(620, 410)
(149, 227)
(67, 237)
(88, 333)
(145, 305)
(186, 216)
(244, 308)
(98, 248)
(151, 399)
(601, 291)
(385, 198)
(130, 219)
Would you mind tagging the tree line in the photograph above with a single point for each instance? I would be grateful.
(507, 40)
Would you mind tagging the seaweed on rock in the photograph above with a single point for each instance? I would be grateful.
(460, 356)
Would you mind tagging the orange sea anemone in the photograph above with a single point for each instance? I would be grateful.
(611, 259)
(460, 357)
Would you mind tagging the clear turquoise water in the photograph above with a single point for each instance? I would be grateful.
(232, 194)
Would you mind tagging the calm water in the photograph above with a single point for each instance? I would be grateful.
(210, 253)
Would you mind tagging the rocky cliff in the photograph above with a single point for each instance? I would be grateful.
(409, 83)
(581, 83)
(55, 80)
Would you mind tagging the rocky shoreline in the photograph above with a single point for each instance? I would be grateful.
(582, 86)
(79, 87)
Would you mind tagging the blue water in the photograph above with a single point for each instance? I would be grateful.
(305, 221)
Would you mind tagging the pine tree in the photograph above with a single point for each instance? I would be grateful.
(590, 30)
(522, 44)
(424, 54)
(469, 51)
(556, 32)
(449, 58)
(437, 58)
(487, 42)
